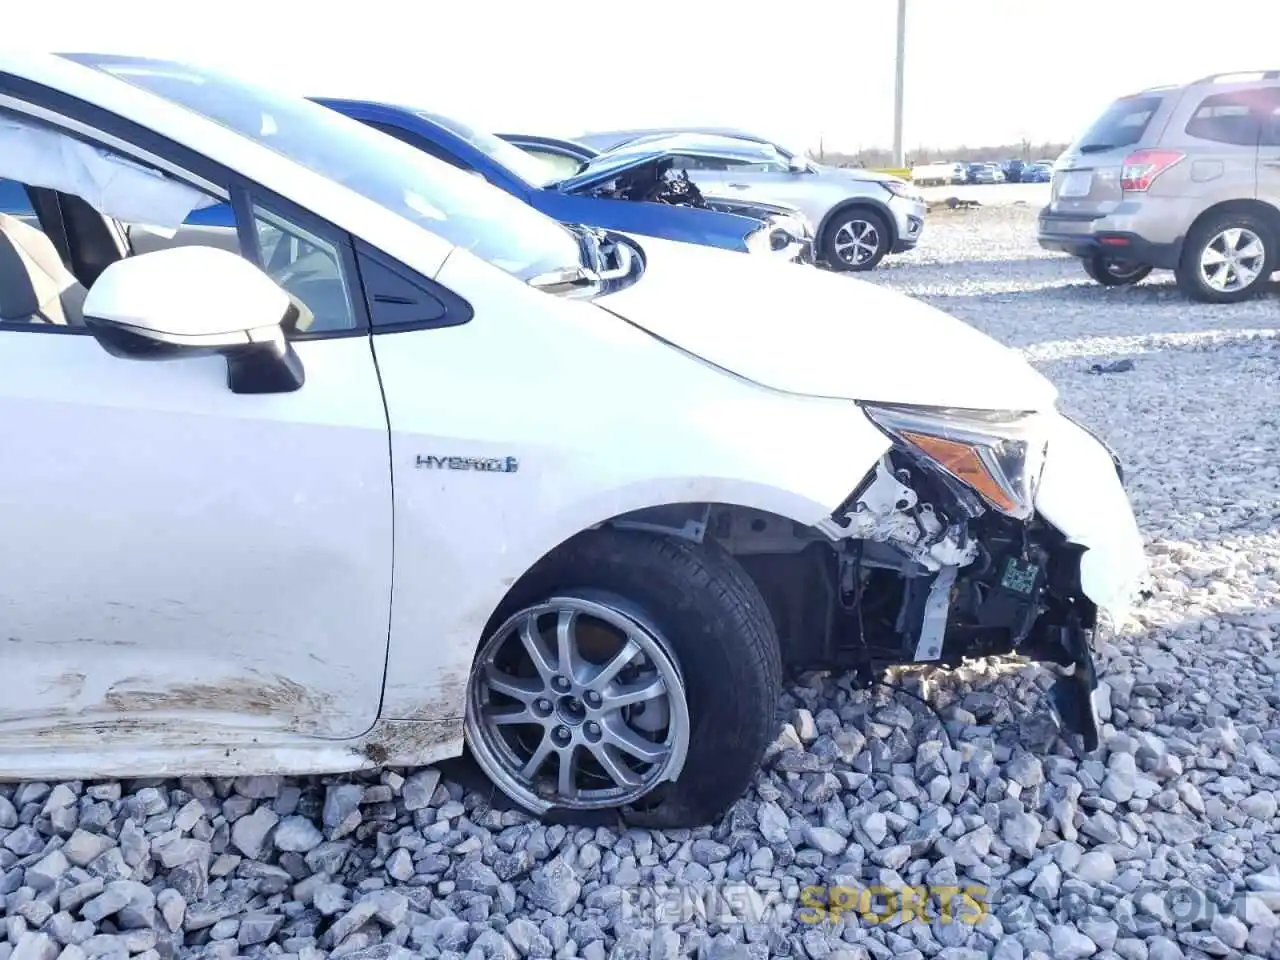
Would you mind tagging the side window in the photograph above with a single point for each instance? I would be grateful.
(729, 163)
(308, 267)
(97, 205)
(558, 165)
(305, 265)
(697, 163)
(764, 166)
(1271, 119)
(1225, 118)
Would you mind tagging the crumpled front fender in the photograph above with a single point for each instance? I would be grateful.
(1081, 495)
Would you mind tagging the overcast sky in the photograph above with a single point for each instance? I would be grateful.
(977, 72)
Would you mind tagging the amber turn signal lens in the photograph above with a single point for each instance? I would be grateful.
(963, 462)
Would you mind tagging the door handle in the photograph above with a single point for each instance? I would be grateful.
(738, 186)
(1275, 162)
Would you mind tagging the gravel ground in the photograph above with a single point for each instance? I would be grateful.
(1164, 845)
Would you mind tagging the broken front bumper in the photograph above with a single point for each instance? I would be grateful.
(953, 580)
(1082, 496)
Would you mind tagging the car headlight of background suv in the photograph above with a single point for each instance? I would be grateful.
(900, 188)
(997, 454)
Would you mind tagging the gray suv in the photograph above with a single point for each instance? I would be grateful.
(1180, 178)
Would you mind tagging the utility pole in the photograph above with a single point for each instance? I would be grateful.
(898, 84)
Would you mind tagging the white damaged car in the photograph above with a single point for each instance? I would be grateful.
(412, 465)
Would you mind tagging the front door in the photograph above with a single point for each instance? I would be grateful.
(183, 565)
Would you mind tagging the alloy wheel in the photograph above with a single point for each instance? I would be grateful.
(577, 702)
(1232, 260)
(856, 242)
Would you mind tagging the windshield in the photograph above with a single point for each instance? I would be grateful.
(1122, 125)
(462, 209)
(527, 168)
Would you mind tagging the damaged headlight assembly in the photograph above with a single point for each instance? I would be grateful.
(999, 455)
(980, 574)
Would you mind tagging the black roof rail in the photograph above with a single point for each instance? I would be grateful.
(1259, 74)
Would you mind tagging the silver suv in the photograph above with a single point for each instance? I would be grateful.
(1180, 178)
(859, 216)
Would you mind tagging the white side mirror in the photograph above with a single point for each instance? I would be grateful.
(798, 165)
(195, 301)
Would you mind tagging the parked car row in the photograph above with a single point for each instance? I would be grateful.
(949, 173)
(984, 173)
(411, 464)
(940, 174)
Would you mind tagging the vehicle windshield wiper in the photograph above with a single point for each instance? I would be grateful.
(1097, 147)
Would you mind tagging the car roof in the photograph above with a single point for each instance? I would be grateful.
(535, 138)
(703, 144)
(609, 140)
(614, 162)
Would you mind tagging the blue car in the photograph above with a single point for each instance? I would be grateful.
(649, 200)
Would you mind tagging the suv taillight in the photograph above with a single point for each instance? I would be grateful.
(1141, 168)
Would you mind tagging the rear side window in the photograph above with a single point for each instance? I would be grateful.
(1226, 118)
(1122, 125)
(1271, 119)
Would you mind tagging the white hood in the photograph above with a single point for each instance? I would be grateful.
(802, 330)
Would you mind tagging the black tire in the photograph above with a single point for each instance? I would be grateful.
(718, 626)
(1111, 272)
(1204, 234)
(837, 223)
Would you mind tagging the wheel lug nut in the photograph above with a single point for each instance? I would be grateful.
(543, 706)
(592, 698)
(560, 683)
(562, 735)
(593, 730)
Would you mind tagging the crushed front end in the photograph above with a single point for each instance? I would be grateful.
(978, 534)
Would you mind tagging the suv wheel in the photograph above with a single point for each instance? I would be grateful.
(1111, 272)
(1227, 258)
(633, 671)
(856, 239)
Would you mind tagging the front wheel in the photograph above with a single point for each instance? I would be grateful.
(629, 671)
(1111, 272)
(855, 239)
(1227, 258)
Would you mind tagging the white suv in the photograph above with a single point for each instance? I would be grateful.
(397, 461)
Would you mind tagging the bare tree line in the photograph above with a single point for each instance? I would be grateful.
(877, 157)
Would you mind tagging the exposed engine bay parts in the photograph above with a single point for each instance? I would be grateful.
(660, 182)
(933, 559)
(654, 182)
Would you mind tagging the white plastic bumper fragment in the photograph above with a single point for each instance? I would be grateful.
(1081, 495)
